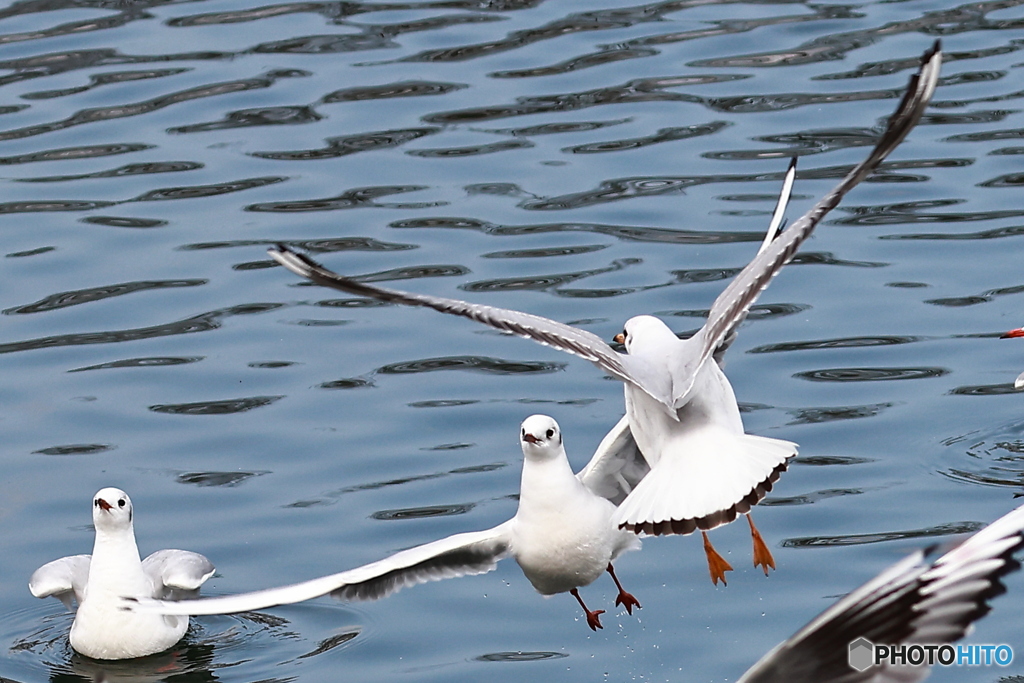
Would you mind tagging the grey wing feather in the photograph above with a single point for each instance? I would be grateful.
(459, 555)
(177, 574)
(769, 236)
(914, 601)
(617, 465)
(63, 579)
(732, 304)
(545, 331)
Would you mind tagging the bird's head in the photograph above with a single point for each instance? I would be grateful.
(644, 331)
(111, 510)
(540, 437)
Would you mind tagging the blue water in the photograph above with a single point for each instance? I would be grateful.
(582, 161)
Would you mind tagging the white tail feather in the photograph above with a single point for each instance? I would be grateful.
(717, 470)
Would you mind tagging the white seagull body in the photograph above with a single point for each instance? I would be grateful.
(680, 407)
(102, 629)
(563, 536)
(917, 600)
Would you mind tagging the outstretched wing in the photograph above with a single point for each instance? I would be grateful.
(617, 465)
(177, 574)
(769, 236)
(459, 555)
(914, 601)
(732, 305)
(63, 579)
(545, 331)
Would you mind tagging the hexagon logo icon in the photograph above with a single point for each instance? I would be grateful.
(862, 654)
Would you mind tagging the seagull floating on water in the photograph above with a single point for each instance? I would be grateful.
(680, 407)
(916, 601)
(562, 536)
(102, 629)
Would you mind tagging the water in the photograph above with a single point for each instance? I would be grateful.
(582, 161)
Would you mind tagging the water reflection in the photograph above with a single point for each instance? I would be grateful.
(209, 645)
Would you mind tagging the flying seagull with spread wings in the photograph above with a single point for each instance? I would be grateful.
(562, 536)
(681, 408)
(97, 582)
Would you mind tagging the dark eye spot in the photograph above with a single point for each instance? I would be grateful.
(625, 335)
(120, 503)
(96, 503)
(551, 433)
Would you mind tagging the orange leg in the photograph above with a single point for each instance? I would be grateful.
(625, 599)
(716, 563)
(762, 556)
(593, 618)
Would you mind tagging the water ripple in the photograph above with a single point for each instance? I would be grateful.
(870, 374)
(356, 198)
(77, 449)
(82, 152)
(543, 282)
(423, 512)
(321, 246)
(352, 144)
(837, 343)
(494, 366)
(200, 323)
(84, 296)
(247, 118)
(121, 171)
(222, 407)
(803, 416)
(621, 232)
(950, 529)
(110, 113)
(663, 135)
(151, 362)
(227, 479)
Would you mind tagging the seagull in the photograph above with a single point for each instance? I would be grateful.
(681, 409)
(918, 600)
(1018, 332)
(562, 536)
(102, 630)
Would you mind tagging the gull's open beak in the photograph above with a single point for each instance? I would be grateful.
(621, 338)
(530, 438)
(1019, 332)
(104, 505)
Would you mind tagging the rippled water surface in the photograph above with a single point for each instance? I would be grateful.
(582, 161)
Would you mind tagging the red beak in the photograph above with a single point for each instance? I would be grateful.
(530, 438)
(1019, 332)
(104, 505)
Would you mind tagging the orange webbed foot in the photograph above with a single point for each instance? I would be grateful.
(716, 563)
(762, 556)
(623, 598)
(593, 616)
